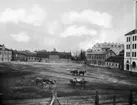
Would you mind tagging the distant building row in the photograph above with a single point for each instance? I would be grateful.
(7, 55)
(106, 55)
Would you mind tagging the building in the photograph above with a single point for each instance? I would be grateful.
(116, 61)
(115, 47)
(5, 54)
(130, 56)
(25, 56)
(98, 57)
(18, 56)
(54, 56)
(31, 57)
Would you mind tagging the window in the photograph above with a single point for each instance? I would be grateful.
(128, 46)
(132, 46)
(127, 39)
(127, 54)
(134, 54)
(133, 38)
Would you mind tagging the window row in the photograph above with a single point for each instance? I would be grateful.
(134, 54)
(134, 38)
(134, 46)
(96, 57)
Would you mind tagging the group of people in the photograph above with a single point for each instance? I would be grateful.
(45, 82)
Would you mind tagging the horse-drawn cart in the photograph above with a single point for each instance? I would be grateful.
(75, 81)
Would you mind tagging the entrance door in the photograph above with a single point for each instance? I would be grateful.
(127, 65)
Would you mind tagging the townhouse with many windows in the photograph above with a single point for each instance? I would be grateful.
(130, 56)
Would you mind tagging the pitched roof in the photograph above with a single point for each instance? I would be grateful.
(25, 53)
(132, 32)
(45, 54)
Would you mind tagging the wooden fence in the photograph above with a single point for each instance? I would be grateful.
(132, 100)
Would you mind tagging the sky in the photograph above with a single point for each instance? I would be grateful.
(67, 25)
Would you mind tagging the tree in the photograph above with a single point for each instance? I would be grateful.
(82, 56)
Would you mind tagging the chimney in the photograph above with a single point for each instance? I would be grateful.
(135, 10)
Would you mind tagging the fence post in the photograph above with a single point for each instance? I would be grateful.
(114, 99)
(130, 98)
(97, 98)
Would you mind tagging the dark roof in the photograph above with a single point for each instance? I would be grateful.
(25, 53)
(132, 32)
(115, 59)
(44, 54)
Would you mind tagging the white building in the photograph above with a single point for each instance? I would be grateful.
(130, 56)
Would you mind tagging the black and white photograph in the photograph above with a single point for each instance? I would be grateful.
(68, 52)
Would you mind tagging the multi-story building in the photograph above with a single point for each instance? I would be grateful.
(116, 47)
(5, 54)
(130, 56)
(98, 57)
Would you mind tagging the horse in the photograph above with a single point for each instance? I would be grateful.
(82, 72)
(74, 72)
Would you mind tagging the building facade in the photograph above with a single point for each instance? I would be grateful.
(24, 56)
(19, 56)
(130, 56)
(116, 61)
(98, 57)
(5, 54)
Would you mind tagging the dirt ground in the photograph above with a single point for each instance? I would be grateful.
(18, 83)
